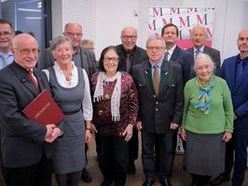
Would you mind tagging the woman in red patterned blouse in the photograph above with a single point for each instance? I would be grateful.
(115, 103)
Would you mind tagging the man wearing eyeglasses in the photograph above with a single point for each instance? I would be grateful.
(131, 54)
(160, 89)
(82, 58)
(6, 35)
(26, 152)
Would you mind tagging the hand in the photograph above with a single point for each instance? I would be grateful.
(183, 134)
(174, 126)
(93, 127)
(227, 136)
(49, 130)
(234, 116)
(88, 135)
(54, 135)
(139, 125)
(128, 132)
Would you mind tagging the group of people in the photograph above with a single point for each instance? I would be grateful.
(156, 91)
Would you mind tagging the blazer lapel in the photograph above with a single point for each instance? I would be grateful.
(164, 76)
(148, 76)
(22, 75)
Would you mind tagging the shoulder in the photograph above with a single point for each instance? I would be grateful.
(229, 61)
(212, 50)
(126, 76)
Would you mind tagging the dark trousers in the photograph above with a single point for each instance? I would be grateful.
(133, 147)
(165, 142)
(240, 147)
(35, 175)
(112, 153)
(229, 157)
(73, 178)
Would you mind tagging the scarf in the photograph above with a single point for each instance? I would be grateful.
(116, 95)
(204, 99)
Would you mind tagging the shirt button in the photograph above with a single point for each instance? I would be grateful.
(157, 102)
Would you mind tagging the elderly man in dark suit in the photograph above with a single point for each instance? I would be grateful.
(25, 153)
(131, 54)
(82, 57)
(160, 88)
(199, 36)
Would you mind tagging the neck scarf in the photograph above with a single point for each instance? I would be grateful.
(204, 99)
(116, 95)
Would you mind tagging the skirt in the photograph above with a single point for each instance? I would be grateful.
(205, 154)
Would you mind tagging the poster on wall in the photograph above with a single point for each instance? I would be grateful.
(185, 19)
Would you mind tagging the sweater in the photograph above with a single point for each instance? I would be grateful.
(220, 117)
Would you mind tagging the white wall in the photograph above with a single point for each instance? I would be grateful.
(103, 20)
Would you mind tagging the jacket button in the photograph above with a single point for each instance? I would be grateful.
(156, 109)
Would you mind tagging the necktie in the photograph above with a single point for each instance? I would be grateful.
(128, 63)
(33, 78)
(197, 52)
(156, 79)
(239, 72)
(166, 56)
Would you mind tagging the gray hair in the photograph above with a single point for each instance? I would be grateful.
(59, 40)
(154, 37)
(204, 56)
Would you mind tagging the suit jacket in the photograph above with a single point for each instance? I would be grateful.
(239, 90)
(22, 140)
(139, 56)
(87, 60)
(185, 59)
(157, 112)
(213, 53)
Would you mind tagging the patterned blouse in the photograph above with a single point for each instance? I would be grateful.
(128, 106)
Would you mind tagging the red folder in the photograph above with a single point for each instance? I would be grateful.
(44, 110)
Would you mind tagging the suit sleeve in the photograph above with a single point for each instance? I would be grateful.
(178, 112)
(12, 118)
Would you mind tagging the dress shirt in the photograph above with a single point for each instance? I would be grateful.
(5, 59)
(158, 66)
(170, 52)
(86, 103)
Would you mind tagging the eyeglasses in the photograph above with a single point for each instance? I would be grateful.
(73, 34)
(154, 48)
(5, 34)
(27, 51)
(108, 59)
(128, 37)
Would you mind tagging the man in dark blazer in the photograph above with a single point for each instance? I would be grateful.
(235, 71)
(26, 155)
(131, 54)
(198, 36)
(174, 53)
(160, 87)
(82, 57)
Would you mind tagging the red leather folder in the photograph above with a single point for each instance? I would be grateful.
(44, 110)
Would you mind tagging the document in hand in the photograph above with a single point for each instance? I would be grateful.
(44, 110)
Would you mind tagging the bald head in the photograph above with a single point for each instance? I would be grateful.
(25, 50)
(129, 38)
(242, 43)
(74, 32)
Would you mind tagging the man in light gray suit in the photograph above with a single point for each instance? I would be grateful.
(199, 36)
